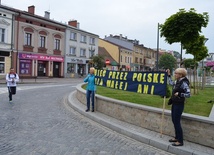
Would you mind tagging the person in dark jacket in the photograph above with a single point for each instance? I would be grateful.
(180, 91)
(91, 88)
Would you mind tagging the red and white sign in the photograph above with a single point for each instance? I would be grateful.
(107, 62)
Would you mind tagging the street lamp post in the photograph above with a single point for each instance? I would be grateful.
(91, 54)
(157, 47)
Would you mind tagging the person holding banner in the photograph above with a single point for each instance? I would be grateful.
(180, 91)
(11, 78)
(90, 90)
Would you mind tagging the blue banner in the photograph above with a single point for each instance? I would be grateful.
(154, 83)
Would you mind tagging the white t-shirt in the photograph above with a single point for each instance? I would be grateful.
(12, 79)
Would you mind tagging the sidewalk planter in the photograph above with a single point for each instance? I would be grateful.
(197, 129)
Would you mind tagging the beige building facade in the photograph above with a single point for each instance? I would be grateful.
(114, 52)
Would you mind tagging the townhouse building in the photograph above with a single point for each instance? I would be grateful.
(110, 63)
(39, 44)
(114, 52)
(6, 40)
(38, 48)
(134, 56)
(138, 58)
(150, 59)
(81, 46)
(125, 51)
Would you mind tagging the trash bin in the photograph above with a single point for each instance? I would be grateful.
(72, 75)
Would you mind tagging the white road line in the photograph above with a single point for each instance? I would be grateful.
(5, 90)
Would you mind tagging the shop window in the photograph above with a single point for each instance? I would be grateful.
(2, 65)
(70, 67)
(25, 67)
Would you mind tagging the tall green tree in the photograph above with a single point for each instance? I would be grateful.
(167, 61)
(184, 27)
(197, 48)
(189, 63)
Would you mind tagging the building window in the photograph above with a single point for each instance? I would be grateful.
(2, 65)
(28, 39)
(91, 53)
(57, 44)
(136, 60)
(72, 51)
(82, 52)
(125, 59)
(73, 36)
(92, 40)
(2, 35)
(83, 38)
(121, 58)
(42, 41)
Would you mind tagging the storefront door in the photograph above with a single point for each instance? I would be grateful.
(56, 66)
(41, 68)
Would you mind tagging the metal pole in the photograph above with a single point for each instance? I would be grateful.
(204, 72)
(181, 54)
(157, 48)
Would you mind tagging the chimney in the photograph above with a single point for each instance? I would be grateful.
(73, 23)
(31, 9)
(47, 14)
(121, 36)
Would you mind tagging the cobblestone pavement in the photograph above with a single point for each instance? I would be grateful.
(40, 122)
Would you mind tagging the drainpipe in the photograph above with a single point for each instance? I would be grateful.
(12, 41)
(17, 40)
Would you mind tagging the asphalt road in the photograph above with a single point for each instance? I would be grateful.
(40, 122)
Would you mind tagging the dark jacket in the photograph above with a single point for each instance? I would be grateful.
(182, 87)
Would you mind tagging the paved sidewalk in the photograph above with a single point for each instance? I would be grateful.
(143, 135)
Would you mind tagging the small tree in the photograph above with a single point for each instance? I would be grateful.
(98, 62)
(167, 61)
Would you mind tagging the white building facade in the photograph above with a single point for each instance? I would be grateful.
(80, 47)
(6, 40)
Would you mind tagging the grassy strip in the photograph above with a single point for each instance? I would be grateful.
(196, 104)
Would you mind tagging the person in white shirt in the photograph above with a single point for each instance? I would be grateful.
(12, 78)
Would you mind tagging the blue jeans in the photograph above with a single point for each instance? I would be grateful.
(90, 95)
(176, 112)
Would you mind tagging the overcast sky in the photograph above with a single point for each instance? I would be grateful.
(136, 19)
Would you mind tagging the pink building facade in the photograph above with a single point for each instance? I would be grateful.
(39, 45)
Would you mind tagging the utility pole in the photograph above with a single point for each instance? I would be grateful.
(157, 48)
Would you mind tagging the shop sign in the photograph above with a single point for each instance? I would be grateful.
(40, 57)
